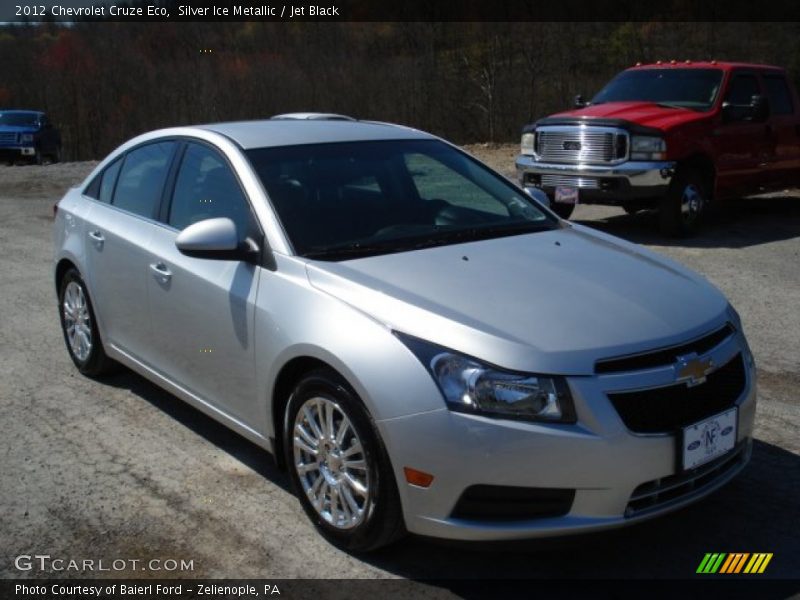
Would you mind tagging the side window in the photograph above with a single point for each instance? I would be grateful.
(742, 89)
(108, 181)
(206, 188)
(141, 180)
(780, 98)
(102, 185)
(436, 181)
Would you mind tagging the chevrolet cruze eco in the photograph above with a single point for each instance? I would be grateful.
(423, 345)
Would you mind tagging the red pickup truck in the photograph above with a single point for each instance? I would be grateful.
(674, 136)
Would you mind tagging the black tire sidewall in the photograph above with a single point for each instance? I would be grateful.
(562, 210)
(371, 532)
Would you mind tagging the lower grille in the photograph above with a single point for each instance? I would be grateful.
(571, 181)
(667, 409)
(8, 138)
(660, 493)
(505, 503)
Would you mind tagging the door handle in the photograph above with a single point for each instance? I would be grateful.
(161, 271)
(97, 238)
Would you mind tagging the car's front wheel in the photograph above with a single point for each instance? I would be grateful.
(79, 326)
(562, 210)
(338, 466)
(685, 204)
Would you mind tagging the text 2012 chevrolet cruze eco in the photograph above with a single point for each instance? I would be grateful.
(425, 347)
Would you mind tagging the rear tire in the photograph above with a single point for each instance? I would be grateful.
(683, 208)
(338, 466)
(79, 326)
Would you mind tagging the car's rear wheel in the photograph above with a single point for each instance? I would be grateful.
(338, 465)
(685, 204)
(79, 326)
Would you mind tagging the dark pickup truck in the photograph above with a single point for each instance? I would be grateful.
(28, 135)
(674, 136)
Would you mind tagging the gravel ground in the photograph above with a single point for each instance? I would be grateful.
(120, 469)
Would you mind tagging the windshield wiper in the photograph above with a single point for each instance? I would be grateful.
(439, 238)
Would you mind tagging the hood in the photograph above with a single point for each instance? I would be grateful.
(550, 302)
(646, 114)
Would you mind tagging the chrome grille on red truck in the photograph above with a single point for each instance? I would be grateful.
(581, 144)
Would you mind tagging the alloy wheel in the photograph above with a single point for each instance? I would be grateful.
(77, 321)
(330, 463)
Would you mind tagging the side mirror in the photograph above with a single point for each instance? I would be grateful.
(579, 102)
(215, 239)
(759, 107)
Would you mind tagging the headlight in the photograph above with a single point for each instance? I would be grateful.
(648, 148)
(526, 146)
(474, 387)
(26, 137)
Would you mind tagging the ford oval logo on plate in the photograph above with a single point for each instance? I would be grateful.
(571, 145)
(694, 445)
(727, 430)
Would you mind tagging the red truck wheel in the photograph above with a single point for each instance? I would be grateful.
(683, 207)
(562, 210)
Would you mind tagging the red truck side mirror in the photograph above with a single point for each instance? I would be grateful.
(759, 107)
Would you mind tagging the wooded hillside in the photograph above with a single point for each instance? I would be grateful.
(105, 82)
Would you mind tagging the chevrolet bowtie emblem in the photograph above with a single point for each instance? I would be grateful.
(692, 370)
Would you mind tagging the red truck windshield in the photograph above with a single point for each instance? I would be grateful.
(695, 89)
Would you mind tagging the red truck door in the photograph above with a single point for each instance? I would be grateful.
(783, 129)
(743, 147)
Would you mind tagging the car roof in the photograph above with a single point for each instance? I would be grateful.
(295, 132)
(704, 64)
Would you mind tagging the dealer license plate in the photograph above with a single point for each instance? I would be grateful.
(709, 439)
(566, 195)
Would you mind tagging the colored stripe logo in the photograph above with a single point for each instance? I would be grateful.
(734, 562)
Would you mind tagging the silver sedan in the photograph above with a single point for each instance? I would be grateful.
(425, 347)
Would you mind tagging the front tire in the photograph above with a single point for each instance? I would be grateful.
(562, 210)
(338, 466)
(683, 208)
(79, 326)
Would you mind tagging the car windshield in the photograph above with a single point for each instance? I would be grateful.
(19, 119)
(683, 88)
(351, 199)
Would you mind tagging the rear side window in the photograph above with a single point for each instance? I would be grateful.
(102, 186)
(206, 188)
(141, 180)
(742, 90)
(780, 98)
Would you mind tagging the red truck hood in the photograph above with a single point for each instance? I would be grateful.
(647, 114)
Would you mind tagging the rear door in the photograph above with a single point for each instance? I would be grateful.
(784, 130)
(203, 310)
(119, 229)
(743, 147)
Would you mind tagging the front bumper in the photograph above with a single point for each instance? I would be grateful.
(14, 152)
(630, 181)
(618, 477)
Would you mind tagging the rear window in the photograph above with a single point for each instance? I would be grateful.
(102, 186)
(780, 98)
(141, 180)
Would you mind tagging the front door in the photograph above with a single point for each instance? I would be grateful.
(203, 310)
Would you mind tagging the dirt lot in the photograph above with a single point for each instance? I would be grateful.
(120, 469)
